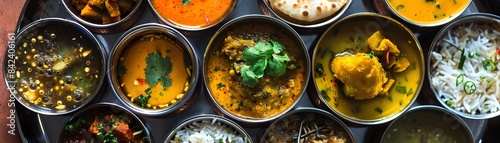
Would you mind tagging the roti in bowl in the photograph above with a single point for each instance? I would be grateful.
(308, 10)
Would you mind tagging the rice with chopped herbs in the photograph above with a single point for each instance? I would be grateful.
(207, 131)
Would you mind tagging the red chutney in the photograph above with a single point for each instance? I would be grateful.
(195, 13)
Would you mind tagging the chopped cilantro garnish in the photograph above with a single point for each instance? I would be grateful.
(143, 100)
(378, 110)
(325, 95)
(264, 57)
(410, 92)
(220, 85)
(185, 2)
(158, 68)
(401, 89)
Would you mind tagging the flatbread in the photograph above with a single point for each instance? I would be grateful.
(308, 10)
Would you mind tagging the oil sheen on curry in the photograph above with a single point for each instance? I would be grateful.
(368, 77)
(154, 71)
(257, 72)
(427, 11)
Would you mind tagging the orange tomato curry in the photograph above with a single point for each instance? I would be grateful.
(189, 13)
(272, 95)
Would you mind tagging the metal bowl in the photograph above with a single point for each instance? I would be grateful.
(216, 43)
(300, 114)
(430, 24)
(37, 71)
(347, 34)
(194, 30)
(83, 119)
(137, 33)
(483, 19)
(437, 125)
(270, 11)
(214, 119)
(124, 23)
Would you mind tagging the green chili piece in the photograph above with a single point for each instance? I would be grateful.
(459, 79)
(469, 87)
(489, 65)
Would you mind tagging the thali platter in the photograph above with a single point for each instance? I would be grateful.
(43, 128)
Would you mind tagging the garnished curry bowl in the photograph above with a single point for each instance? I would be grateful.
(306, 14)
(192, 16)
(307, 124)
(367, 68)
(106, 16)
(55, 66)
(209, 128)
(153, 70)
(463, 65)
(255, 69)
(427, 13)
(428, 123)
(104, 122)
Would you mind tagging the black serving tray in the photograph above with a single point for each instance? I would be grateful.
(34, 127)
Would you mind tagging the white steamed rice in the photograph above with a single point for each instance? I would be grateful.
(208, 131)
(481, 42)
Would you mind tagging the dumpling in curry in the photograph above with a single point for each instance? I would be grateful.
(362, 75)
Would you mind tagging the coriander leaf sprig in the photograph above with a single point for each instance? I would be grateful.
(157, 69)
(263, 58)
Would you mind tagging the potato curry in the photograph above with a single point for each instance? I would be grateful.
(257, 73)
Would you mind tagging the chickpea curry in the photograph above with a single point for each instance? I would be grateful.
(154, 71)
(257, 73)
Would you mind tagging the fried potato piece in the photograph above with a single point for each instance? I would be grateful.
(374, 42)
(126, 5)
(97, 3)
(91, 12)
(363, 76)
(401, 64)
(79, 4)
(112, 8)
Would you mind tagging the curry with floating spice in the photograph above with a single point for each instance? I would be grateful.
(257, 72)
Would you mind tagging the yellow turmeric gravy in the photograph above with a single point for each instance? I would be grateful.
(272, 95)
(342, 39)
(427, 11)
(198, 13)
(134, 60)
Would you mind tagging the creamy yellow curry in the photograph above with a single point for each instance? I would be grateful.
(257, 73)
(154, 71)
(366, 77)
(427, 11)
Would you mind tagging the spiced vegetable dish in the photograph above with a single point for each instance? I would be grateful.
(257, 72)
(104, 11)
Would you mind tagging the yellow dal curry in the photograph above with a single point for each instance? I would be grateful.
(133, 75)
(343, 39)
(427, 11)
(272, 94)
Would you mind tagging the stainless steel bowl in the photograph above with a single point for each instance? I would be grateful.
(114, 27)
(268, 10)
(340, 37)
(428, 123)
(64, 35)
(430, 24)
(136, 33)
(101, 109)
(216, 43)
(234, 127)
(194, 30)
(479, 18)
(339, 128)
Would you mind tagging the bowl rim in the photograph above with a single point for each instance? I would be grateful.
(107, 105)
(85, 22)
(122, 44)
(302, 110)
(328, 21)
(434, 108)
(393, 115)
(472, 18)
(211, 117)
(273, 20)
(433, 24)
(224, 18)
(82, 30)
